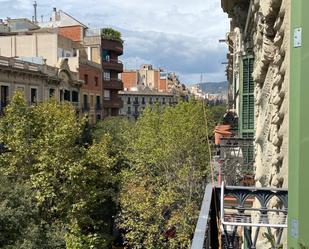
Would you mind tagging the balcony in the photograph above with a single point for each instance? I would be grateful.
(113, 84)
(135, 103)
(113, 45)
(234, 161)
(111, 64)
(233, 212)
(116, 103)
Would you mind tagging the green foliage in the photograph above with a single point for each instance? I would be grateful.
(71, 183)
(218, 112)
(63, 183)
(20, 226)
(163, 186)
(111, 34)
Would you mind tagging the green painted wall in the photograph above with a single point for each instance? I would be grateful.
(298, 231)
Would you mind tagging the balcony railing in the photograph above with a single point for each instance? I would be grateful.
(112, 83)
(235, 159)
(136, 103)
(112, 64)
(115, 102)
(233, 212)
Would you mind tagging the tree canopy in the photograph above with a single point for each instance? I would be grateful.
(67, 186)
(162, 188)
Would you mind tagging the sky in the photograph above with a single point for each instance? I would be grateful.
(180, 36)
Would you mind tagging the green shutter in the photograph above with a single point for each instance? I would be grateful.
(247, 95)
(247, 108)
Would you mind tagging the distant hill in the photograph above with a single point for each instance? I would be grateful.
(214, 87)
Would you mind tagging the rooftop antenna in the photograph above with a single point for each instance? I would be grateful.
(35, 5)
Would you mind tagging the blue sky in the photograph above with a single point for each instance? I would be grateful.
(178, 35)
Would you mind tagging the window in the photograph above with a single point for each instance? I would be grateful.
(136, 100)
(107, 75)
(150, 101)
(143, 100)
(163, 100)
(129, 110)
(248, 94)
(61, 95)
(129, 101)
(98, 117)
(4, 96)
(51, 92)
(91, 100)
(107, 94)
(86, 79)
(75, 96)
(106, 55)
(33, 95)
(85, 102)
(96, 81)
(67, 95)
(98, 102)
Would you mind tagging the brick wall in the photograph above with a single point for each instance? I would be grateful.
(92, 72)
(163, 85)
(74, 33)
(129, 79)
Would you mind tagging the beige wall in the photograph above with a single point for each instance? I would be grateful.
(151, 77)
(36, 45)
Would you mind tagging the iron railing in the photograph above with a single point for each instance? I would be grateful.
(234, 217)
(235, 157)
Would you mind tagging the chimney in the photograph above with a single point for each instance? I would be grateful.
(42, 18)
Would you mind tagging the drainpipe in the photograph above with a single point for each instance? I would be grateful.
(248, 18)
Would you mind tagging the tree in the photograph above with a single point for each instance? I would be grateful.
(218, 112)
(21, 227)
(162, 188)
(70, 182)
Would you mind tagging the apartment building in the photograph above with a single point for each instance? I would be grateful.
(146, 76)
(258, 76)
(156, 80)
(38, 82)
(91, 90)
(100, 46)
(59, 39)
(140, 97)
(104, 46)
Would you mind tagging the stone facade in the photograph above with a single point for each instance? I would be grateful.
(271, 74)
(38, 82)
(138, 98)
(262, 32)
(260, 29)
